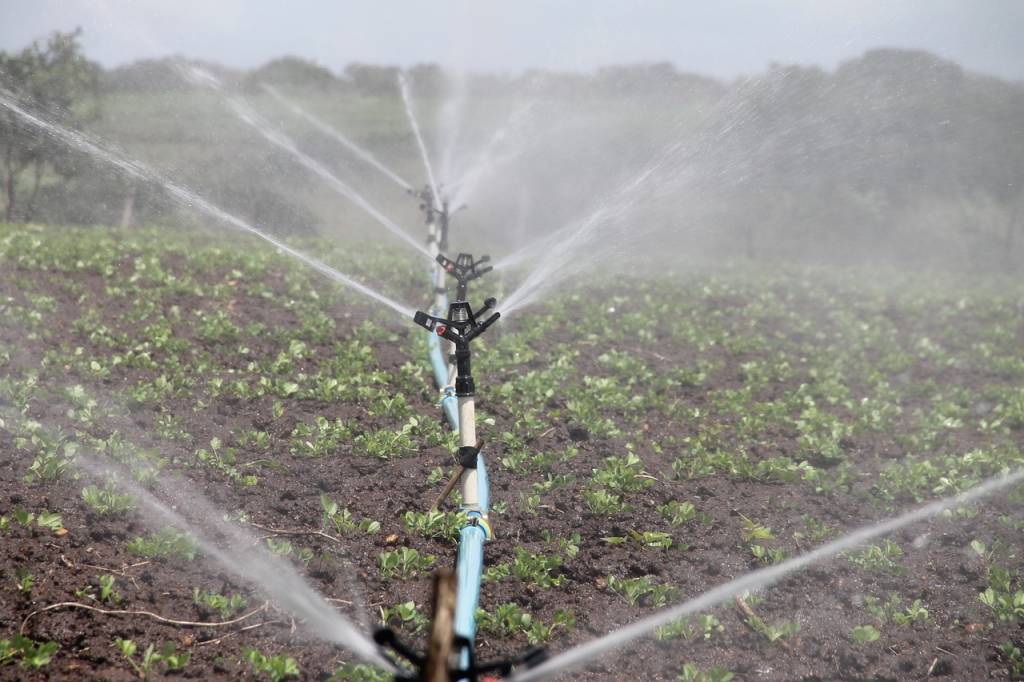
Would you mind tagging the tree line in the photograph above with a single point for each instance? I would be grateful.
(894, 145)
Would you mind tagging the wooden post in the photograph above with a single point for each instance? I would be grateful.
(442, 628)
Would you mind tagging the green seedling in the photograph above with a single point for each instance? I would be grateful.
(165, 543)
(168, 655)
(1004, 594)
(707, 626)
(29, 654)
(878, 558)
(677, 513)
(226, 606)
(435, 524)
(360, 672)
(277, 668)
(107, 501)
(1014, 658)
(24, 581)
(691, 673)
(604, 503)
(773, 632)
(641, 591)
(510, 619)
(865, 634)
(405, 614)
(404, 563)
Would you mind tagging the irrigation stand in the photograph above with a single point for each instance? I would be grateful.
(454, 627)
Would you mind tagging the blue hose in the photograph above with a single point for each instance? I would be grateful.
(470, 565)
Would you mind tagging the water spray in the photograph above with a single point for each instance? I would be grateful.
(338, 137)
(186, 198)
(759, 579)
(403, 87)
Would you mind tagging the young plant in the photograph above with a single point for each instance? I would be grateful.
(878, 558)
(224, 605)
(277, 668)
(406, 615)
(677, 513)
(707, 626)
(31, 654)
(691, 673)
(404, 563)
(167, 655)
(773, 632)
(435, 524)
(107, 501)
(865, 634)
(168, 542)
(641, 591)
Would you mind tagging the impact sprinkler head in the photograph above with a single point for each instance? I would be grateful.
(460, 327)
(464, 269)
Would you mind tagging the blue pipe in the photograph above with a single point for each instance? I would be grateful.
(470, 565)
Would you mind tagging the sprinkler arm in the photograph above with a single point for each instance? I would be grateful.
(459, 331)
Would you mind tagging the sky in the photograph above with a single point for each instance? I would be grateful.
(723, 38)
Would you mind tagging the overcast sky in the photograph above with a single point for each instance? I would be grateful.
(716, 37)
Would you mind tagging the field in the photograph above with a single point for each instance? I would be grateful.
(648, 439)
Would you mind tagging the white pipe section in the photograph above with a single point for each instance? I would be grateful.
(467, 438)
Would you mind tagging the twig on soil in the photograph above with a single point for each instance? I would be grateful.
(931, 668)
(217, 640)
(300, 531)
(749, 613)
(148, 614)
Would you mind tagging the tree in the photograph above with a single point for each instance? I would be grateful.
(55, 78)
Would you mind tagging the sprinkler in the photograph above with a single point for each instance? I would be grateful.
(459, 327)
(464, 269)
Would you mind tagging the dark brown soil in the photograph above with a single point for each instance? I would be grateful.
(958, 641)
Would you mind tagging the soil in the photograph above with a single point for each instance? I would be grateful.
(958, 641)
